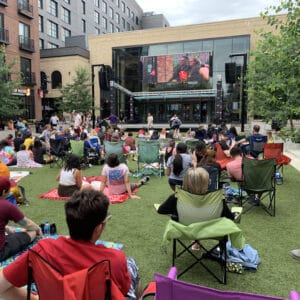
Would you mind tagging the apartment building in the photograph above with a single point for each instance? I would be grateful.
(60, 19)
(19, 33)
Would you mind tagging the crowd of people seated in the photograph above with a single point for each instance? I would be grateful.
(186, 168)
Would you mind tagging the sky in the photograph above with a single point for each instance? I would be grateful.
(179, 12)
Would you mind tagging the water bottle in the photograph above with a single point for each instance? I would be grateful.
(278, 178)
(47, 229)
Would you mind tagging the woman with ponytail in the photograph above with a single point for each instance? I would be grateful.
(177, 165)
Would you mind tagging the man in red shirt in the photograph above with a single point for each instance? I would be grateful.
(86, 216)
(14, 241)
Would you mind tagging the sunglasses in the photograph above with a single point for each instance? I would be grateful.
(107, 218)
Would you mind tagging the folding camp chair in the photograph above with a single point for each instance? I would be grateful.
(77, 148)
(149, 156)
(275, 150)
(191, 144)
(256, 144)
(259, 179)
(116, 148)
(213, 184)
(221, 157)
(169, 288)
(199, 219)
(94, 282)
(59, 148)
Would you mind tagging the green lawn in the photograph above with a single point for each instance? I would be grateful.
(136, 224)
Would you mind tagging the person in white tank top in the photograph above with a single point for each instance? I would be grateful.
(70, 177)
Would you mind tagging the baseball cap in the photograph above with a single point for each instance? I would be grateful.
(4, 184)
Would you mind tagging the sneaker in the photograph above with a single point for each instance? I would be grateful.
(145, 180)
(296, 253)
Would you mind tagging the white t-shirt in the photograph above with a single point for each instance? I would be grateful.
(116, 178)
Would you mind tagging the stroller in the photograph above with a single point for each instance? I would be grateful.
(94, 154)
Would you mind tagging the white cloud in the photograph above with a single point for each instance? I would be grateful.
(199, 11)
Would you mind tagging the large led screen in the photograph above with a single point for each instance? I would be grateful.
(184, 67)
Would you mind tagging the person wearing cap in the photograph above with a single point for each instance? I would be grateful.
(14, 242)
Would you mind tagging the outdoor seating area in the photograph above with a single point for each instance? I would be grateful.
(136, 224)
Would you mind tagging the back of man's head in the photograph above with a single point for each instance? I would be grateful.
(235, 151)
(85, 210)
(256, 128)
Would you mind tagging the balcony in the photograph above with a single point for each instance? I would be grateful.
(29, 78)
(25, 9)
(26, 44)
(3, 2)
(4, 36)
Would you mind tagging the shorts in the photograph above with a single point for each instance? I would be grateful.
(67, 190)
(135, 278)
(14, 243)
(175, 181)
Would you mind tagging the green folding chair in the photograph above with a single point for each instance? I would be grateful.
(149, 156)
(116, 148)
(259, 179)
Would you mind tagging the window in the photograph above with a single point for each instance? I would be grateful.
(65, 33)
(41, 44)
(56, 80)
(128, 27)
(53, 8)
(24, 30)
(111, 27)
(52, 46)
(111, 13)
(104, 7)
(66, 15)
(123, 23)
(128, 12)
(118, 29)
(118, 3)
(83, 7)
(97, 3)
(25, 68)
(97, 17)
(83, 25)
(41, 24)
(137, 20)
(117, 17)
(132, 15)
(67, 1)
(52, 29)
(123, 7)
(40, 4)
(104, 23)
(97, 30)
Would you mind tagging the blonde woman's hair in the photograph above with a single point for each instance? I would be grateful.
(196, 181)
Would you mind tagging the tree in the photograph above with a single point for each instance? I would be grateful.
(10, 105)
(273, 76)
(77, 95)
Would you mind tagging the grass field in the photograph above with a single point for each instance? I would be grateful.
(136, 224)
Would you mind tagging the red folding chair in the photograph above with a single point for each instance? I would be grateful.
(275, 150)
(91, 283)
(221, 157)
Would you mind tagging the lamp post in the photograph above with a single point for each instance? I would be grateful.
(243, 102)
(93, 92)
